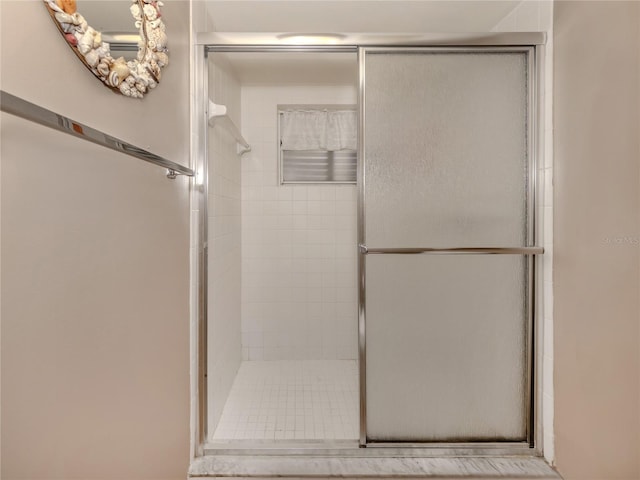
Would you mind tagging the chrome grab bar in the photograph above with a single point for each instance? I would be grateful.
(455, 250)
(30, 111)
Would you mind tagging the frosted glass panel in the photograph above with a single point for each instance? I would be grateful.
(446, 149)
(446, 164)
(445, 338)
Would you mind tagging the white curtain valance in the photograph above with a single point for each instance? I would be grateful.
(319, 130)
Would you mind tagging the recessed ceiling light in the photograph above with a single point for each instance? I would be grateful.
(311, 38)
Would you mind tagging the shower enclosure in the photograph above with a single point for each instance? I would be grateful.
(446, 241)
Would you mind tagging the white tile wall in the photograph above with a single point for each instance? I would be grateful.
(299, 296)
(224, 338)
(537, 16)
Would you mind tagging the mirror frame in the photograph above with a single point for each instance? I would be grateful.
(133, 78)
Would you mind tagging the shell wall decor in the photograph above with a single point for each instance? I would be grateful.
(132, 78)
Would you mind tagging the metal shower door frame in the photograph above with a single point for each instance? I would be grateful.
(361, 43)
(529, 250)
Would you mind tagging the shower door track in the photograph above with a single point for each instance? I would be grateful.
(375, 450)
(352, 43)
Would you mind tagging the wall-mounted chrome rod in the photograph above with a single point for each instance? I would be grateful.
(218, 113)
(30, 111)
(455, 250)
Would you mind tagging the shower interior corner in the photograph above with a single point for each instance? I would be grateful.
(282, 326)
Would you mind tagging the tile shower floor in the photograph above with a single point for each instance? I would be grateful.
(292, 399)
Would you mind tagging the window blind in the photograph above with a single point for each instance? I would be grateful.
(319, 166)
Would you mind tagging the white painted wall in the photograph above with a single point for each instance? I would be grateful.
(224, 243)
(299, 296)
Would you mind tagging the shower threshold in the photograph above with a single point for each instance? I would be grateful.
(370, 463)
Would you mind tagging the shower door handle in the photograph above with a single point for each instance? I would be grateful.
(364, 250)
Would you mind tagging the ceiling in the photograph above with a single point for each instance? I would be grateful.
(384, 16)
(339, 16)
(357, 16)
(317, 16)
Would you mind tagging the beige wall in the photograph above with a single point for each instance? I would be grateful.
(95, 267)
(597, 214)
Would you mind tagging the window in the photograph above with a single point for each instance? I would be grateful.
(318, 144)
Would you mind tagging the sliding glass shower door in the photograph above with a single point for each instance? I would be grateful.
(446, 231)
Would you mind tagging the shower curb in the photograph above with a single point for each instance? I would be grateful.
(313, 466)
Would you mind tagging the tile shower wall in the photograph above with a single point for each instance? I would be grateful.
(224, 244)
(299, 297)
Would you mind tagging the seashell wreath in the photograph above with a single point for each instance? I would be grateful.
(132, 78)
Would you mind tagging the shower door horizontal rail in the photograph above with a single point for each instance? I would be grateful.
(30, 111)
(455, 250)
